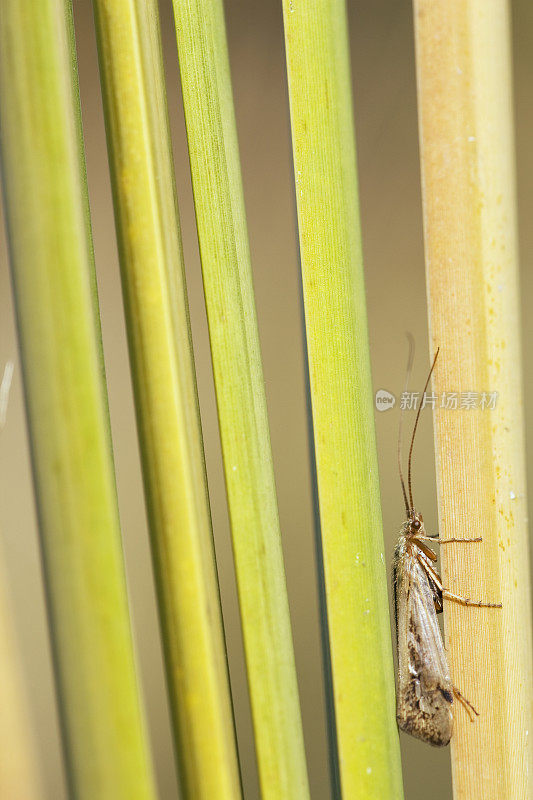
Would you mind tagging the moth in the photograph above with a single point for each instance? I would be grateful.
(425, 689)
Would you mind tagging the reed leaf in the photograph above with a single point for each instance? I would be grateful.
(165, 394)
(466, 143)
(19, 771)
(225, 256)
(55, 293)
(360, 654)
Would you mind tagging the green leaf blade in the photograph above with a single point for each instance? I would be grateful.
(51, 259)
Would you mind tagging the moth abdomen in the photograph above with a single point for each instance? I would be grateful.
(427, 714)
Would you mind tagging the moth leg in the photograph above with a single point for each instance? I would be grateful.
(427, 550)
(453, 539)
(438, 540)
(447, 595)
(466, 601)
(467, 705)
(435, 583)
(432, 573)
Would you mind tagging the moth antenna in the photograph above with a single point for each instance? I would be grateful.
(410, 359)
(414, 430)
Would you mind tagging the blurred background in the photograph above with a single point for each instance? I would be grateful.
(386, 123)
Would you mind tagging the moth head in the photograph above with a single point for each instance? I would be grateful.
(416, 523)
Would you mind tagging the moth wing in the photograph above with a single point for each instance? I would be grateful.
(425, 691)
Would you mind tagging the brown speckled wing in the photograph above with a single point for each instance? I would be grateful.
(425, 691)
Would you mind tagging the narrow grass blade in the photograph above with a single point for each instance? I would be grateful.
(165, 395)
(19, 771)
(466, 142)
(55, 293)
(224, 250)
(341, 396)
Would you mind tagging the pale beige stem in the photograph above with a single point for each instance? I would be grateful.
(19, 778)
(464, 86)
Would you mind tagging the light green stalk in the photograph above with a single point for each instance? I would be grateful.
(241, 402)
(52, 264)
(165, 395)
(341, 394)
